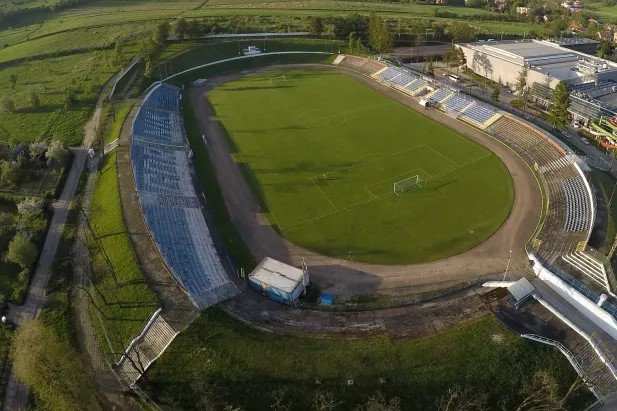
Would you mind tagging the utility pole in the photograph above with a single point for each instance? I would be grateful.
(507, 266)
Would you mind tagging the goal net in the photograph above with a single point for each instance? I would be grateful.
(277, 79)
(412, 183)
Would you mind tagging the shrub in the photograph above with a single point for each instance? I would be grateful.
(22, 251)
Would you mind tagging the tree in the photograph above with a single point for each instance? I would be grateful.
(351, 41)
(13, 80)
(379, 403)
(161, 32)
(10, 172)
(605, 49)
(50, 368)
(558, 109)
(540, 394)
(430, 70)
(280, 402)
(37, 148)
(8, 104)
(325, 401)
(30, 205)
(496, 91)
(462, 399)
(57, 152)
(521, 84)
(181, 27)
(35, 100)
(316, 25)
(194, 28)
(379, 35)
(21, 251)
(462, 32)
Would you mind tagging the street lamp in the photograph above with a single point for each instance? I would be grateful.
(507, 266)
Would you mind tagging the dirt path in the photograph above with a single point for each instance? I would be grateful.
(345, 278)
(413, 321)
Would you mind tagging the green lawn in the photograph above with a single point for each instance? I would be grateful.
(123, 300)
(325, 151)
(243, 366)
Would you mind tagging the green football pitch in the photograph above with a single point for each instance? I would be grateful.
(323, 151)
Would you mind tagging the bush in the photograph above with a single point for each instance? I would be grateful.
(22, 251)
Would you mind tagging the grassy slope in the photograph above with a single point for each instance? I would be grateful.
(287, 142)
(121, 292)
(247, 365)
(122, 111)
(607, 183)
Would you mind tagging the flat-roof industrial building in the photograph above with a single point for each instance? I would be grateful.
(592, 80)
(548, 62)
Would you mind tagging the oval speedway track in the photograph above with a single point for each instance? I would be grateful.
(347, 278)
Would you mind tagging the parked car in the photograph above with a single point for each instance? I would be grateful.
(576, 124)
(584, 140)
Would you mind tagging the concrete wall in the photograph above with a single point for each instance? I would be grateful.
(585, 306)
(491, 67)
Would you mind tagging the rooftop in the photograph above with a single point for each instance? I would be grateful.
(277, 274)
(570, 41)
(545, 56)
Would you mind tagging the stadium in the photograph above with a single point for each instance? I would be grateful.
(373, 179)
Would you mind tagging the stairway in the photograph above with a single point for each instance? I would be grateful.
(145, 349)
(588, 266)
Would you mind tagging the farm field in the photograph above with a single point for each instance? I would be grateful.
(325, 152)
(222, 359)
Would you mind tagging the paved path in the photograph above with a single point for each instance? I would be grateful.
(17, 394)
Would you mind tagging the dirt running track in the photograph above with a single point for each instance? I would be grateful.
(346, 278)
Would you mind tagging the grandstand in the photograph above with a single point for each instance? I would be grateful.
(364, 66)
(439, 95)
(169, 203)
(569, 213)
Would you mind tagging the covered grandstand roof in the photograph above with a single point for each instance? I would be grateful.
(521, 290)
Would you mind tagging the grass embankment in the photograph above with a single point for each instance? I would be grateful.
(122, 299)
(325, 152)
(244, 366)
(122, 109)
(606, 182)
(5, 345)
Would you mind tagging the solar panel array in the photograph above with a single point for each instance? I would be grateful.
(169, 203)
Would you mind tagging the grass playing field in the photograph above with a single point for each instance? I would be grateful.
(323, 152)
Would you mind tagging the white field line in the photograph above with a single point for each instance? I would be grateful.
(449, 159)
(310, 220)
(324, 194)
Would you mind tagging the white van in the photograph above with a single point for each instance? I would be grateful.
(454, 78)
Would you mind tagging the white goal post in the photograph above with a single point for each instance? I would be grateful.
(409, 184)
(278, 78)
